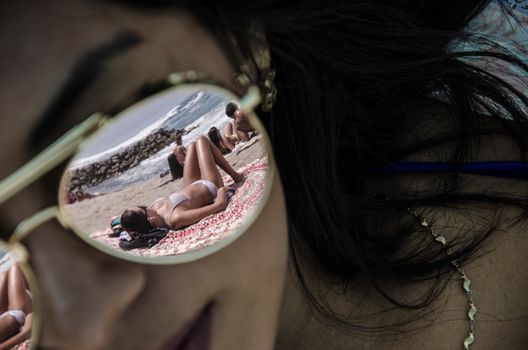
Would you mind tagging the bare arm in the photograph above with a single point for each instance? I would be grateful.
(234, 135)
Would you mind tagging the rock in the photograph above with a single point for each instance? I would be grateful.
(130, 157)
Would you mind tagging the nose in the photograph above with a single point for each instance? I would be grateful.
(83, 292)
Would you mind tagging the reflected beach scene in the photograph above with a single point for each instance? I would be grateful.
(178, 172)
(16, 305)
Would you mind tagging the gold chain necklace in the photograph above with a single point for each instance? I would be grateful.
(466, 282)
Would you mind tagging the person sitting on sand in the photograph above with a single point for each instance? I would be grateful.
(78, 196)
(239, 128)
(177, 158)
(15, 309)
(223, 143)
(203, 193)
(179, 150)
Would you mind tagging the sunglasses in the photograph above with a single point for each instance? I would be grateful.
(201, 193)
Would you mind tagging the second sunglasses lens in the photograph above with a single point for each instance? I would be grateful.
(16, 304)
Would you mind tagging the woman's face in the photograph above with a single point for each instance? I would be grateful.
(91, 300)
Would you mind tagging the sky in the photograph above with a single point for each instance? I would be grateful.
(129, 123)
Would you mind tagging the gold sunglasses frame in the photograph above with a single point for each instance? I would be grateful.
(68, 145)
(72, 141)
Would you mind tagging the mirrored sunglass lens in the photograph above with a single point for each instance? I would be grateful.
(16, 304)
(174, 177)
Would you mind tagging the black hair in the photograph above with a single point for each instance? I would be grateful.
(214, 136)
(177, 134)
(135, 221)
(231, 109)
(350, 75)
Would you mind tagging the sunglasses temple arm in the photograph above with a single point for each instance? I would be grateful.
(51, 157)
(251, 99)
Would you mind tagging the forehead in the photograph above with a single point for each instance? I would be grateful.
(41, 41)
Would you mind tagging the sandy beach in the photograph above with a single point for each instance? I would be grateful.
(93, 215)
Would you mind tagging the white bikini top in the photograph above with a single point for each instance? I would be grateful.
(175, 198)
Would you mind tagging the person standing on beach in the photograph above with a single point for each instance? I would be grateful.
(177, 158)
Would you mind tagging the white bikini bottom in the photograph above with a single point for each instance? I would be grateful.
(178, 197)
(210, 186)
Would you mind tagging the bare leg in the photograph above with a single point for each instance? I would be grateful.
(242, 136)
(228, 143)
(18, 300)
(228, 131)
(18, 297)
(8, 328)
(230, 134)
(224, 164)
(191, 170)
(209, 157)
(3, 293)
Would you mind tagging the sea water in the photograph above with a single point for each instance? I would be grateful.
(198, 113)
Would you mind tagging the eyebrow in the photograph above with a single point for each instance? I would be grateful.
(83, 74)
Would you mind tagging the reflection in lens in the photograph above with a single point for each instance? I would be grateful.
(174, 174)
(16, 306)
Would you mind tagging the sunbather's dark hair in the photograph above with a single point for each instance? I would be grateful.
(214, 136)
(230, 109)
(133, 220)
(348, 75)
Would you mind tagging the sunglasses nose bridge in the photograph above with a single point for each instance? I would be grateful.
(29, 224)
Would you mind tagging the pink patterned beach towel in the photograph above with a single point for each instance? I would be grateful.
(214, 227)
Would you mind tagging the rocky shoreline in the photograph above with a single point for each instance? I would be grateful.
(94, 173)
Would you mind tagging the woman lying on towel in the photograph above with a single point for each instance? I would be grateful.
(203, 193)
(15, 309)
